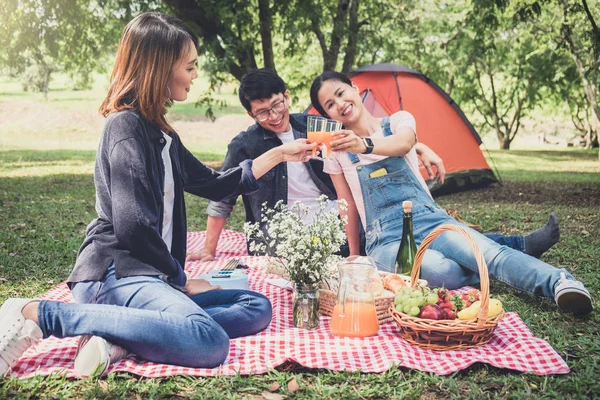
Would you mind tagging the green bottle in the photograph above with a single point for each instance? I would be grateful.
(408, 249)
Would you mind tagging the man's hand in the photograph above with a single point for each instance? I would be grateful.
(200, 255)
(195, 286)
(430, 159)
(298, 150)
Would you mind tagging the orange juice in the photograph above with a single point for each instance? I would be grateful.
(360, 320)
(326, 139)
(320, 138)
(315, 137)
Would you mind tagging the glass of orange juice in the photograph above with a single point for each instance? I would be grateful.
(319, 130)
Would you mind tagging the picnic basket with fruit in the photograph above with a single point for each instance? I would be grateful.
(446, 320)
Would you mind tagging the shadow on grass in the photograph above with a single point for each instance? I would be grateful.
(574, 154)
(14, 156)
(67, 156)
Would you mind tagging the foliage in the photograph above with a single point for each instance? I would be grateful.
(69, 34)
(306, 251)
(36, 77)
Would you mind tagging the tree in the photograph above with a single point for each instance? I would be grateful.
(584, 47)
(505, 72)
(51, 34)
(572, 26)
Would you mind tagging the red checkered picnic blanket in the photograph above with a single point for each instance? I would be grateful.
(513, 346)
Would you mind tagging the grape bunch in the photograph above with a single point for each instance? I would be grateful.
(409, 301)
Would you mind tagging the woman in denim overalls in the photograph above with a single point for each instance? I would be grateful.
(385, 183)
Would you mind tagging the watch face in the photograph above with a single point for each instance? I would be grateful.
(369, 145)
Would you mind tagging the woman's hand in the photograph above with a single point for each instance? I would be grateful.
(346, 140)
(195, 286)
(298, 150)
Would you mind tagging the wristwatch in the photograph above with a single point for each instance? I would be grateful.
(369, 144)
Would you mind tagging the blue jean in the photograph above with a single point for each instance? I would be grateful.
(514, 242)
(449, 260)
(146, 316)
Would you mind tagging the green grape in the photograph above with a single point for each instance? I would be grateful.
(399, 308)
(432, 298)
(414, 311)
(407, 308)
(420, 301)
(415, 293)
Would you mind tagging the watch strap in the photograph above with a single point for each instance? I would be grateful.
(368, 145)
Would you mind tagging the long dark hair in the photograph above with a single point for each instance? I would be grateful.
(150, 45)
(318, 82)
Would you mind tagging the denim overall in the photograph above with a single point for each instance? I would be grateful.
(449, 260)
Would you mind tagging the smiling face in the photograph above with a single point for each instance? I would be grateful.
(340, 101)
(278, 122)
(183, 73)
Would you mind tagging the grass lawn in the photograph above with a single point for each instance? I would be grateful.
(47, 199)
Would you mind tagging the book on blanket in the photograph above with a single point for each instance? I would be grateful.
(227, 277)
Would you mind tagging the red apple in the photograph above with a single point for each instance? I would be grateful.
(430, 311)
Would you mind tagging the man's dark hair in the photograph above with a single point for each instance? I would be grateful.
(259, 84)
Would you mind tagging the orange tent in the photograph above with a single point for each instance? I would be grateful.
(387, 88)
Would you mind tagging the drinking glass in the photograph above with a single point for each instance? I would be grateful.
(319, 131)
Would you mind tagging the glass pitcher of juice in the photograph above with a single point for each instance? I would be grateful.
(354, 313)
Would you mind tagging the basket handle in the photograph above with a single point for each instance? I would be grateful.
(481, 265)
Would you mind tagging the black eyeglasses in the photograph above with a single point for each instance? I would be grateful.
(276, 108)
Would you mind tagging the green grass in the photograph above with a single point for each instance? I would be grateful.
(47, 199)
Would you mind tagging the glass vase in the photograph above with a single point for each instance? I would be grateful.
(306, 306)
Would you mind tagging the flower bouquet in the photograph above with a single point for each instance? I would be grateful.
(305, 248)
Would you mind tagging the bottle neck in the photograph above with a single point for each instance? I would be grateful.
(407, 224)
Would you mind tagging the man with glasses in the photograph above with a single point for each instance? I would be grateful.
(264, 96)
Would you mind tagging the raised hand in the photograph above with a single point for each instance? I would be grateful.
(298, 150)
(346, 140)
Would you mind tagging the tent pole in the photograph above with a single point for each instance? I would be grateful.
(398, 89)
(493, 163)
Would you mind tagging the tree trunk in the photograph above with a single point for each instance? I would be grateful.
(505, 144)
(337, 33)
(353, 28)
(264, 15)
(588, 88)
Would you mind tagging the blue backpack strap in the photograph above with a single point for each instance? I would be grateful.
(354, 158)
(385, 124)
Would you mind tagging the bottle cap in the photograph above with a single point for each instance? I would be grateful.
(407, 205)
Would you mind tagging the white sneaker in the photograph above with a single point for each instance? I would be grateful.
(95, 354)
(572, 296)
(17, 334)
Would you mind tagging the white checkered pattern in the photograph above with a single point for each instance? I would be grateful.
(513, 346)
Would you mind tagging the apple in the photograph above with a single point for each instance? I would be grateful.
(430, 311)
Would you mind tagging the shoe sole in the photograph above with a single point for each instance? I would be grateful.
(577, 303)
(90, 360)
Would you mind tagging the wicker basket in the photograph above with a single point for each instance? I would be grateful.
(449, 334)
